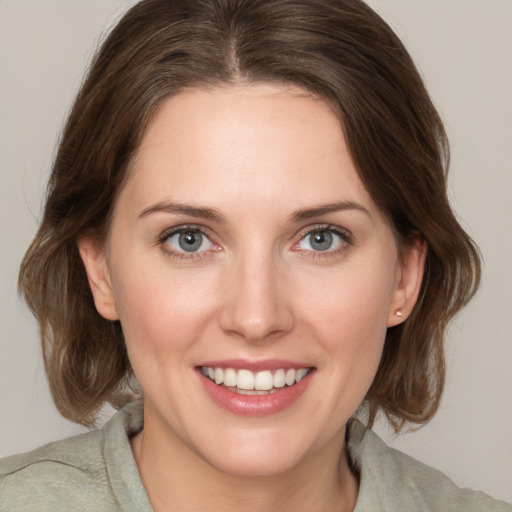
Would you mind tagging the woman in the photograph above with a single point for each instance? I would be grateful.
(247, 218)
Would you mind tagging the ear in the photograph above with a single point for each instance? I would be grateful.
(408, 282)
(93, 257)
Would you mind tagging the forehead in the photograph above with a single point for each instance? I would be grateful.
(250, 145)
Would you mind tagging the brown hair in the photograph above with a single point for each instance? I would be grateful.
(341, 51)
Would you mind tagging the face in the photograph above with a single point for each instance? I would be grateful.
(253, 276)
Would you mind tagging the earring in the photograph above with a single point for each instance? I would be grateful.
(398, 313)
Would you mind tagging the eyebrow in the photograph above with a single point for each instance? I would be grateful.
(324, 209)
(184, 209)
(214, 216)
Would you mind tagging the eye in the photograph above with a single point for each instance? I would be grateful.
(187, 240)
(322, 240)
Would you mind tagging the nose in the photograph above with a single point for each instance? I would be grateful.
(258, 301)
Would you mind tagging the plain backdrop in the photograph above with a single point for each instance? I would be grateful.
(464, 50)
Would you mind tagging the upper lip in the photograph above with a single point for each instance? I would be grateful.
(253, 365)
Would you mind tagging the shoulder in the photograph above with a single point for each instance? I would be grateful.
(94, 471)
(65, 475)
(392, 480)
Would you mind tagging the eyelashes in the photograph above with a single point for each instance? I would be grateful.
(324, 240)
(187, 242)
(194, 242)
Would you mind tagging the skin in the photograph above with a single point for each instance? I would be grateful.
(257, 290)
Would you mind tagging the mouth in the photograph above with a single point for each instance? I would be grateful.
(247, 382)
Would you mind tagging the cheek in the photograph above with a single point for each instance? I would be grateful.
(348, 316)
(163, 309)
(356, 301)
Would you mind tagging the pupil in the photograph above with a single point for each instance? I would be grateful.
(190, 241)
(322, 240)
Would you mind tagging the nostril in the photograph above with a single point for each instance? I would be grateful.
(255, 307)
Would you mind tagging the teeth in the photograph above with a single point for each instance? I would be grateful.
(290, 377)
(246, 382)
(230, 377)
(264, 381)
(219, 376)
(279, 379)
(301, 374)
(250, 392)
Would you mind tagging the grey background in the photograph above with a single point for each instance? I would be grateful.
(464, 50)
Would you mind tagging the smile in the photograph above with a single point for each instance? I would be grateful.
(247, 382)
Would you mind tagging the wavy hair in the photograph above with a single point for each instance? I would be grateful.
(339, 50)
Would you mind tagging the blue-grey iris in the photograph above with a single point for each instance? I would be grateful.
(190, 241)
(321, 240)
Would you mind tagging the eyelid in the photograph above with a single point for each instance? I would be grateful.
(342, 232)
(345, 235)
(169, 251)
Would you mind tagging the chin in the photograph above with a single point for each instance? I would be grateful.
(255, 458)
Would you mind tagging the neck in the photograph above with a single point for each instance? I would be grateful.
(177, 478)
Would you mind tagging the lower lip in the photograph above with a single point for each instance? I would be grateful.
(255, 405)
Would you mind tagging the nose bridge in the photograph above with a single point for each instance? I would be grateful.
(257, 304)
